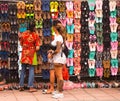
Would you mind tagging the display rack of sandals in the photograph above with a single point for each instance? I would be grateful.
(93, 35)
(84, 38)
(114, 38)
(118, 30)
(38, 25)
(22, 26)
(92, 38)
(13, 39)
(70, 32)
(99, 34)
(106, 38)
(77, 37)
(5, 29)
(46, 36)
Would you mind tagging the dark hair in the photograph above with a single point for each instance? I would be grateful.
(60, 28)
(31, 26)
(55, 22)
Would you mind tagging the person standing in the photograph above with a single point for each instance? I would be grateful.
(30, 43)
(58, 60)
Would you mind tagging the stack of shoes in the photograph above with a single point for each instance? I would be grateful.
(38, 26)
(106, 39)
(92, 38)
(5, 29)
(45, 36)
(84, 38)
(77, 37)
(114, 38)
(99, 37)
(118, 30)
(67, 20)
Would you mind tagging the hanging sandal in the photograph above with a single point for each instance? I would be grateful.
(62, 6)
(21, 89)
(38, 15)
(21, 5)
(37, 5)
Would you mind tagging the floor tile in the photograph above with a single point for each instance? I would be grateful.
(87, 94)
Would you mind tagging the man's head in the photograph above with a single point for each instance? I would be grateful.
(32, 26)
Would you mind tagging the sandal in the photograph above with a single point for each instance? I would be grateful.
(112, 5)
(70, 29)
(69, 37)
(39, 24)
(99, 47)
(45, 5)
(77, 37)
(31, 89)
(62, 15)
(63, 21)
(92, 72)
(77, 5)
(69, 21)
(21, 89)
(91, 4)
(12, 10)
(62, 6)
(47, 91)
(92, 46)
(91, 63)
(70, 14)
(92, 55)
(21, 5)
(70, 53)
(69, 5)
(114, 36)
(106, 64)
(69, 44)
(38, 15)
(77, 14)
(29, 7)
(77, 70)
(54, 15)
(37, 5)
(99, 13)
(92, 38)
(71, 70)
(77, 28)
(76, 45)
(99, 4)
(114, 54)
(77, 53)
(21, 14)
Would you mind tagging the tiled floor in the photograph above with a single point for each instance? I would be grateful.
(82, 94)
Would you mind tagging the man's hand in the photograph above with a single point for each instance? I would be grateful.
(37, 48)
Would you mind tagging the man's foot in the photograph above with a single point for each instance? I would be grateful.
(3, 82)
(49, 91)
(32, 89)
(21, 89)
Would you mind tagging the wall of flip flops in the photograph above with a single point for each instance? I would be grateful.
(93, 35)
